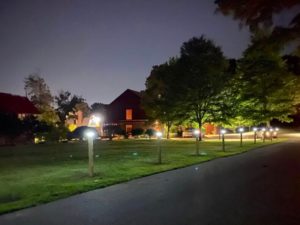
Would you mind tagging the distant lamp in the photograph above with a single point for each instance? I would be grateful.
(158, 134)
(241, 130)
(223, 132)
(197, 133)
(95, 121)
(90, 135)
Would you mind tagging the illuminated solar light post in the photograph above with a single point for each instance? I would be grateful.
(255, 134)
(241, 130)
(197, 134)
(90, 135)
(223, 132)
(159, 136)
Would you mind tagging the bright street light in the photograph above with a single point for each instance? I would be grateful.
(241, 130)
(90, 135)
(159, 136)
(197, 134)
(223, 132)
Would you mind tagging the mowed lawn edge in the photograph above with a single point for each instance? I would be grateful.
(34, 174)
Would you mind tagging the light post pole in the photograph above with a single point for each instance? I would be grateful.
(159, 136)
(255, 134)
(90, 137)
(241, 130)
(223, 132)
(197, 133)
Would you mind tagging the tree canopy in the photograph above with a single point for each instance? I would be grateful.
(268, 88)
(191, 87)
(259, 14)
(204, 78)
(66, 103)
(160, 97)
(39, 93)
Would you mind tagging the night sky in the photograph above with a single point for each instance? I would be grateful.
(97, 48)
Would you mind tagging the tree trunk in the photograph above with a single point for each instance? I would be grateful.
(168, 129)
(200, 126)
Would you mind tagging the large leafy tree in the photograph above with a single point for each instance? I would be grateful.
(203, 78)
(268, 88)
(66, 103)
(259, 14)
(39, 93)
(160, 97)
(225, 106)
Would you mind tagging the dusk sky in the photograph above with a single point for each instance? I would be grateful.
(97, 48)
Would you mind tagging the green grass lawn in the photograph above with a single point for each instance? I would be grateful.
(34, 174)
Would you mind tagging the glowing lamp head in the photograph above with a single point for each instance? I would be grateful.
(271, 129)
(254, 129)
(90, 134)
(158, 134)
(263, 129)
(223, 131)
(276, 129)
(241, 129)
(197, 133)
(96, 119)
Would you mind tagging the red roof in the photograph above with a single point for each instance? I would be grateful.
(16, 104)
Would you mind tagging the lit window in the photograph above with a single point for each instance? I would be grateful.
(128, 114)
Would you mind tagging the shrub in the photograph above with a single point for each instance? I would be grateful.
(112, 130)
(137, 132)
(150, 132)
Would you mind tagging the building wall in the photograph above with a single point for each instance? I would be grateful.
(118, 112)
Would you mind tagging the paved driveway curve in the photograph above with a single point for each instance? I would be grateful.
(261, 187)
